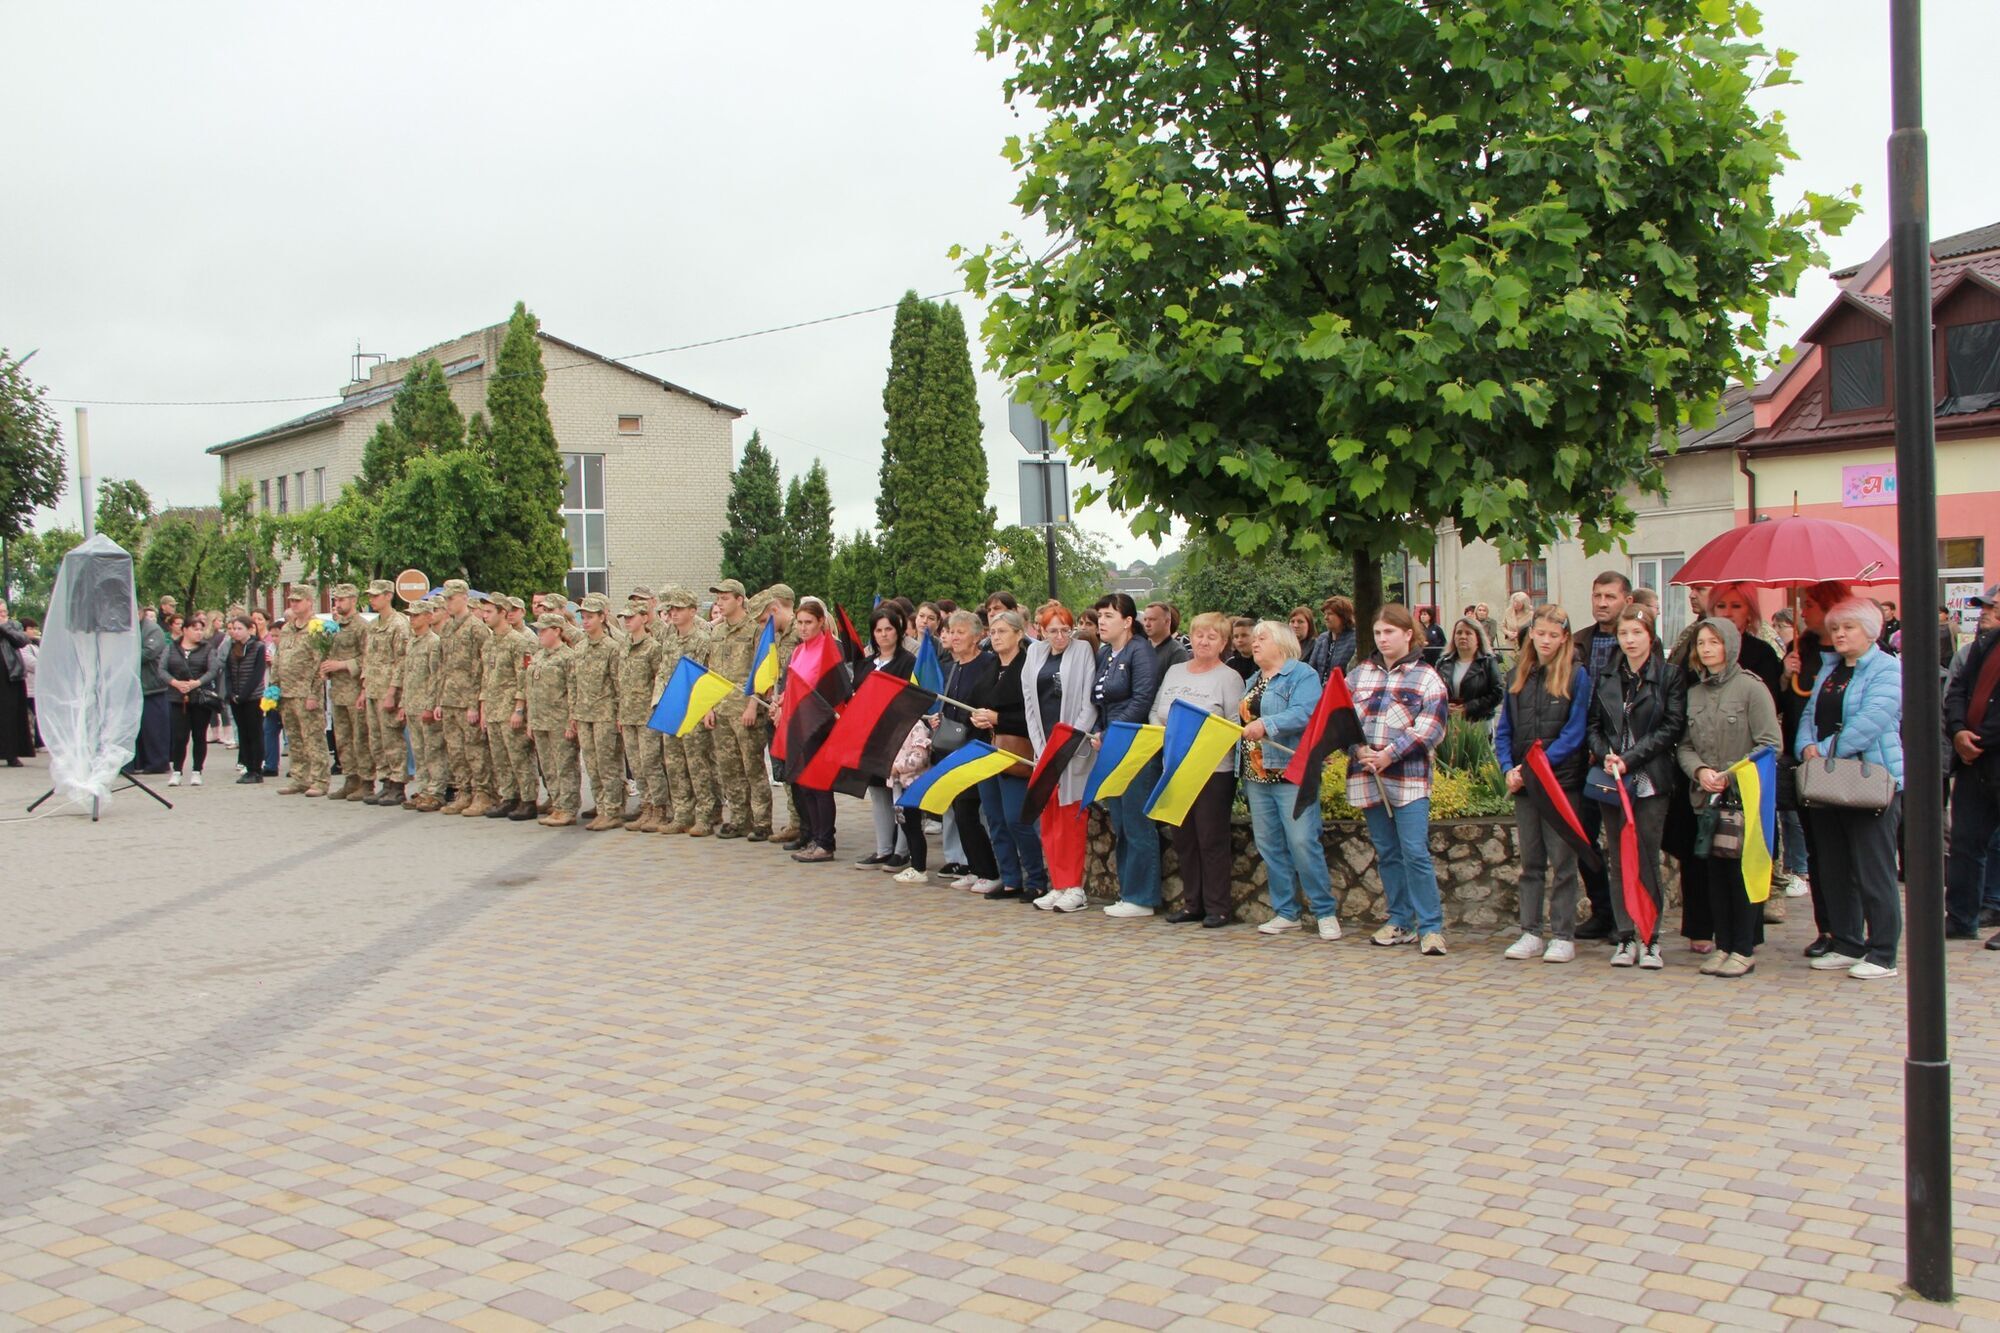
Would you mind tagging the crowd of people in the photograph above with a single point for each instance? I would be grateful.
(483, 705)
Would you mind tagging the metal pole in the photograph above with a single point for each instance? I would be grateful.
(1049, 512)
(84, 491)
(1927, 1070)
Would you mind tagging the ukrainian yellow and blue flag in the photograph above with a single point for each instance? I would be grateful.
(1126, 748)
(967, 766)
(691, 692)
(764, 664)
(1756, 777)
(1195, 742)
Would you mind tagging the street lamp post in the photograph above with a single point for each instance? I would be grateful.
(1927, 1066)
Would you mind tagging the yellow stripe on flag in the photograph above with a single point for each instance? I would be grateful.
(706, 692)
(962, 777)
(766, 673)
(1756, 845)
(1177, 790)
(1146, 743)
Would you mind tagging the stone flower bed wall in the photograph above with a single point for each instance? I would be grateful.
(1478, 865)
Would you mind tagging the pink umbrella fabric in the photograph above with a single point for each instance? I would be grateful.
(1792, 553)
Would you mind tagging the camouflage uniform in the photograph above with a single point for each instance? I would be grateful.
(296, 673)
(639, 684)
(350, 726)
(739, 749)
(499, 696)
(421, 679)
(464, 652)
(385, 644)
(594, 706)
(520, 742)
(688, 760)
(547, 683)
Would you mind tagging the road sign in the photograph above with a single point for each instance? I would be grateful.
(411, 585)
(1044, 486)
(1025, 426)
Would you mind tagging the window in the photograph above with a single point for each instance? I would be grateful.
(281, 494)
(583, 520)
(629, 425)
(1657, 572)
(1859, 374)
(1530, 577)
(319, 485)
(264, 496)
(1972, 359)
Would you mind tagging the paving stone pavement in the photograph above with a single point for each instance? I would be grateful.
(307, 1065)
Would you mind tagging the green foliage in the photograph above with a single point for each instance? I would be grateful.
(31, 450)
(1467, 747)
(35, 559)
(1019, 562)
(1326, 278)
(932, 508)
(1268, 585)
(854, 576)
(809, 532)
(753, 545)
(522, 545)
(332, 542)
(175, 561)
(244, 557)
(1455, 793)
(422, 419)
(441, 511)
(123, 511)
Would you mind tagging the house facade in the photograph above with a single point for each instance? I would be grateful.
(647, 461)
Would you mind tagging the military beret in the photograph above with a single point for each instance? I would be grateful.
(302, 592)
(596, 601)
(550, 620)
(345, 590)
(678, 596)
(728, 585)
(454, 587)
(779, 592)
(381, 588)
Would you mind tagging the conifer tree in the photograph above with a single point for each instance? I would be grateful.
(753, 545)
(422, 419)
(525, 547)
(908, 343)
(854, 576)
(936, 525)
(809, 532)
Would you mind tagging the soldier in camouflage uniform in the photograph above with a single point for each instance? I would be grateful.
(554, 603)
(384, 645)
(465, 637)
(295, 671)
(776, 602)
(639, 685)
(520, 742)
(547, 682)
(499, 696)
(739, 742)
(416, 696)
(342, 669)
(686, 759)
(594, 706)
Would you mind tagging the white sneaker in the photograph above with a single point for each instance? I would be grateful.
(1391, 936)
(1528, 946)
(174, 778)
(1799, 887)
(1277, 925)
(1559, 951)
(1432, 945)
(1649, 957)
(194, 778)
(1125, 909)
(1626, 954)
(1047, 902)
(1329, 927)
(965, 882)
(911, 875)
(1834, 962)
(1867, 971)
(983, 885)
(1071, 900)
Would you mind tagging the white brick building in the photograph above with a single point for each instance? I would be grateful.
(648, 461)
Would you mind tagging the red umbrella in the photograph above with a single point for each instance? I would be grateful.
(1792, 553)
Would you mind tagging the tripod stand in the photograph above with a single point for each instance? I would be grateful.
(95, 716)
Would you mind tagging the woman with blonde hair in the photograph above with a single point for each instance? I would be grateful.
(1276, 708)
(1547, 701)
(1202, 839)
(1520, 611)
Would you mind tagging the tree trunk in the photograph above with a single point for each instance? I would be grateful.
(1367, 600)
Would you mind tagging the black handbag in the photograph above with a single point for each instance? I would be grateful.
(950, 734)
(1718, 829)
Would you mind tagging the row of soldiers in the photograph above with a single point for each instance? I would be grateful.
(463, 706)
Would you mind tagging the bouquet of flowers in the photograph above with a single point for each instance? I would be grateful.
(320, 632)
(269, 702)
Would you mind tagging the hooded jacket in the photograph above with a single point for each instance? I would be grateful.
(1729, 712)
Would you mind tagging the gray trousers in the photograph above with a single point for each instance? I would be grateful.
(888, 829)
(1650, 814)
(1549, 883)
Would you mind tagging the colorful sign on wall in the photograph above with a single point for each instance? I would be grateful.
(1868, 484)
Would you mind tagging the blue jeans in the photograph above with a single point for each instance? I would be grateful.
(1792, 842)
(1403, 860)
(1138, 839)
(1016, 846)
(273, 729)
(1294, 859)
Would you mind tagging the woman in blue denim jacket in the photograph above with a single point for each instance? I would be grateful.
(1276, 708)
(1127, 680)
(1856, 712)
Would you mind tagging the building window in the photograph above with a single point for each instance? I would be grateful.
(629, 425)
(264, 496)
(583, 520)
(319, 485)
(299, 488)
(1859, 375)
(1530, 577)
(281, 495)
(1657, 572)
(1972, 359)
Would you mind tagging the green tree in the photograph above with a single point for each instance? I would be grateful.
(753, 545)
(422, 419)
(31, 452)
(437, 515)
(809, 532)
(854, 575)
(176, 560)
(936, 525)
(1324, 280)
(1019, 562)
(333, 542)
(525, 546)
(1215, 578)
(37, 558)
(244, 559)
(123, 511)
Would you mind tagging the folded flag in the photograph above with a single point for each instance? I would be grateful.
(1126, 748)
(871, 729)
(1057, 752)
(764, 662)
(1639, 904)
(691, 692)
(1546, 794)
(850, 640)
(1756, 777)
(929, 672)
(1334, 726)
(1195, 742)
(944, 782)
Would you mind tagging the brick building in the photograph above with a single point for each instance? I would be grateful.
(648, 461)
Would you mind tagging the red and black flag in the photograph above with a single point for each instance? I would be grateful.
(1552, 803)
(864, 743)
(1639, 904)
(1334, 726)
(812, 662)
(851, 643)
(1062, 745)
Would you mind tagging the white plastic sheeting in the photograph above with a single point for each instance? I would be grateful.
(87, 697)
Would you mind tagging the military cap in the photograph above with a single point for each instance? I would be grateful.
(728, 585)
(478, 596)
(344, 590)
(550, 620)
(302, 592)
(779, 592)
(381, 588)
(507, 601)
(424, 607)
(597, 602)
(638, 606)
(678, 596)
(453, 587)
(642, 593)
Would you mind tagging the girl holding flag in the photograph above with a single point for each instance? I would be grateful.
(1730, 715)
(1400, 700)
(1638, 708)
(1540, 745)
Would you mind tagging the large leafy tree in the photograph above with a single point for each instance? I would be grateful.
(1215, 578)
(524, 546)
(753, 545)
(245, 557)
(422, 419)
(437, 515)
(123, 511)
(37, 558)
(31, 451)
(809, 531)
(932, 506)
(176, 560)
(1019, 562)
(334, 542)
(1328, 276)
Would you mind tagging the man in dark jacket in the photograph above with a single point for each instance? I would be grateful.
(1972, 723)
(155, 722)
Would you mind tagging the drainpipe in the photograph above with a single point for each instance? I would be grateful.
(1743, 466)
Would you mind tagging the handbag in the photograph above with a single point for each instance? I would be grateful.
(1600, 786)
(1844, 784)
(1718, 830)
(1018, 746)
(949, 736)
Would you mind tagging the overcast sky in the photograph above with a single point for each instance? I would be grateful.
(215, 201)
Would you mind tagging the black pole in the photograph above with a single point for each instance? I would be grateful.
(1927, 1068)
(1049, 512)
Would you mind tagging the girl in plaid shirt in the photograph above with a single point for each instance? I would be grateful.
(1402, 704)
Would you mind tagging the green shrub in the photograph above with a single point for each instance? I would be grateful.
(1465, 779)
